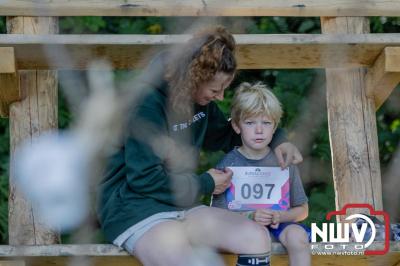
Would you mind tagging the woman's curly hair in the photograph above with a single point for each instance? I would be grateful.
(206, 53)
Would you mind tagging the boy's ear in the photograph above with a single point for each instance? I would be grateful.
(275, 127)
(235, 127)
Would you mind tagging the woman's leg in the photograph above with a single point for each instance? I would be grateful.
(222, 229)
(295, 239)
(165, 244)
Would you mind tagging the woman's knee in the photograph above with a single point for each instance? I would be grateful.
(255, 238)
(295, 238)
(166, 245)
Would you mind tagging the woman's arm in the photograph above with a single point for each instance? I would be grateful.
(146, 159)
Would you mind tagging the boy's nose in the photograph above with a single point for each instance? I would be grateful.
(258, 128)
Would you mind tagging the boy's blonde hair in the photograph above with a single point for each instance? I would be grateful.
(253, 100)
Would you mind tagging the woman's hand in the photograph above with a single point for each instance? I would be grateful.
(222, 179)
(287, 154)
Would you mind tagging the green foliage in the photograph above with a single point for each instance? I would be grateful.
(385, 24)
(3, 25)
(4, 170)
(64, 115)
(388, 123)
(291, 87)
(285, 25)
(321, 201)
(80, 25)
(120, 25)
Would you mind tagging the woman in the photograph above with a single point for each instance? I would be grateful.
(150, 196)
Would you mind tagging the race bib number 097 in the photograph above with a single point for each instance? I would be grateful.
(258, 187)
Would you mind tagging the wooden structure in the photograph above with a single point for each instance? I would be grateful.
(361, 69)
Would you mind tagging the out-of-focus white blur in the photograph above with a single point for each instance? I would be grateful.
(52, 173)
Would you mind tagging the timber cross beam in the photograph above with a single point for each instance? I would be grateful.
(292, 8)
(384, 75)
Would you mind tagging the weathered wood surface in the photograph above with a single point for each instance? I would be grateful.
(35, 114)
(352, 127)
(9, 92)
(254, 51)
(101, 254)
(306, 8)
(9, 87)
(12, 263)
(384, 75)
(7, 62)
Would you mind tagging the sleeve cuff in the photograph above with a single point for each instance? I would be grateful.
(207, 184)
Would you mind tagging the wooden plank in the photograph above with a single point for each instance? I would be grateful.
(101, 254)
(7, 62)
(254, 51)
(36, 113)
(352, 127)
(108, 250)
(306, 8)
(384, 75)
(12, 263)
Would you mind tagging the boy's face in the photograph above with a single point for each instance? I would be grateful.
(256, 131)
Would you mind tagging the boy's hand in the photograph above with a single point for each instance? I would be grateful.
(263, 216)
(222, 179)
(276, 218)
(288, 154)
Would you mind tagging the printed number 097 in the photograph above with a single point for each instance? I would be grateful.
(257, 191)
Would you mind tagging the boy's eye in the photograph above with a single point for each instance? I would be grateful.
(267, 122)
(248, 122)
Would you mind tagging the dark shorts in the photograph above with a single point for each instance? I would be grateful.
(277, 232)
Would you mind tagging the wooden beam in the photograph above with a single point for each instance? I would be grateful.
(254, 51)
(305, 8)
(29, 118)
(384, 75)
(102, 254)
(12, 263)
(352, 127)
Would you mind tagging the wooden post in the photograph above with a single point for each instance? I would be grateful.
(35, 114)
(352, 126)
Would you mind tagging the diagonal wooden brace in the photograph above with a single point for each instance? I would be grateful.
(9, 80)
(384, 75)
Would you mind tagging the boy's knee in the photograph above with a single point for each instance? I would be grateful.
(296, 238)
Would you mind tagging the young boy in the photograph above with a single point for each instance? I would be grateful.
(257, 193)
